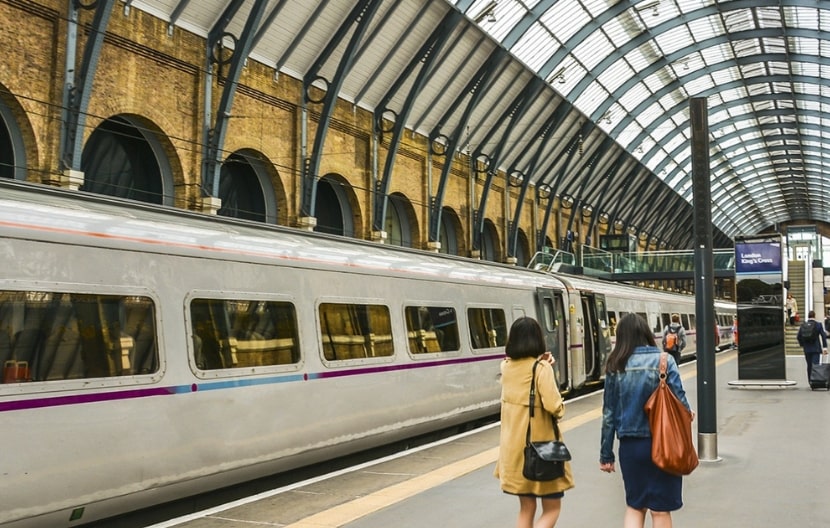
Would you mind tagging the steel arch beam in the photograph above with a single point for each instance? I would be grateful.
(214, 136)
(475, 88)
(77, 89)
(425, 58)
(544, 136)
(357, 22)
(512, 115)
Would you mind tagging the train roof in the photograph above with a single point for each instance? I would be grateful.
(49, 213)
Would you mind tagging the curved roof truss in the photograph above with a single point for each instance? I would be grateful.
(585, 99)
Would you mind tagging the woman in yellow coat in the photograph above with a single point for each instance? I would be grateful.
(525, 345)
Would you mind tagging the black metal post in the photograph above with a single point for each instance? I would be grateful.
(707, 445)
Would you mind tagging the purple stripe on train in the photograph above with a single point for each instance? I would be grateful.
(97, 397)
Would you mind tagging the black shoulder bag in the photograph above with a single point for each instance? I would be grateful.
(543, 460)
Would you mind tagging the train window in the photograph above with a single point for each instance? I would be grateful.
(549, 315)
(237, 333)
(657, 326)
(50, 336)
(684, 320)
(602, 314)
(431, 329)
(692, 324)
(612, 322)
(488, 327)
(666, 319)
(355, 331)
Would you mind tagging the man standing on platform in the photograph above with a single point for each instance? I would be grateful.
(812, 338)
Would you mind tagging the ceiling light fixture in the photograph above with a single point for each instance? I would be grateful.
(488, 13)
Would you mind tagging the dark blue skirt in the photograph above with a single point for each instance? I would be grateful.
(646, 485)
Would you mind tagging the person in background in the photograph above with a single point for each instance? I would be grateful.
(734, 331)
(814, 345)
(525, 345)
(631, 376)
(792, 308)
(674, 328)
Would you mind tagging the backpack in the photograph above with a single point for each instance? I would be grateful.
(809, 331)
(672, 341)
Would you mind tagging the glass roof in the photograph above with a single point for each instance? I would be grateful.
(632, 67)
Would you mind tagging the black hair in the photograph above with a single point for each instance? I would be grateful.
(632, 331)
(525, 339)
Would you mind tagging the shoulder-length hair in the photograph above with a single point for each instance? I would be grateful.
(632, 331)
(525, 339)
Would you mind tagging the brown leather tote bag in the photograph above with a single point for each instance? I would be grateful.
(672, 449)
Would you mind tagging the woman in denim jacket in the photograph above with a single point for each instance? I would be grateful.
(632, 374)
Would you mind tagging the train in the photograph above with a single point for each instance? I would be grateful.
(151, 353)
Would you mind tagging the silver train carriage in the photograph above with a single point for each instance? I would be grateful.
(151, 354)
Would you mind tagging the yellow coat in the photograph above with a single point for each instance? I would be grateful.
(515, 393)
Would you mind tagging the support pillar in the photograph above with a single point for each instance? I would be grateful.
(380, 237)
(71, 179)
(210, 204)
(307, 223)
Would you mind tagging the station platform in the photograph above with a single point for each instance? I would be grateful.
(771, 471)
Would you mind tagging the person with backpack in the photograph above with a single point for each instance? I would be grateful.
(813, 339)
(674, 338)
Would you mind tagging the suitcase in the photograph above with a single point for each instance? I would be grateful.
(820, 375)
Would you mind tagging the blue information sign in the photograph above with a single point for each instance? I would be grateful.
(759, 290)
(758, 257)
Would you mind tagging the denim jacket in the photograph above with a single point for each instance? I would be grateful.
(627, 392)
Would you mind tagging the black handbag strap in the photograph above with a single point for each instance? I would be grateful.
(531, 407)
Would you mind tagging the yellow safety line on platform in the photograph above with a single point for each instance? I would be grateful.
(358, 508)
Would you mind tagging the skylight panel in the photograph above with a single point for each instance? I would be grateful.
(705, 28)
(592, 97)
(615, 75)
(502, 18)
(633, 97)
(565, 19)
(809, 69)
(717, 54)
(637, 58)
(596, 7)
(699, 85)
(806, 46)
(617, 32)
(675, 142)
(535, 47)
(739, 20)
(593, 49)
(674, 98)
(674, 39)
(768, 17)
(803, 17)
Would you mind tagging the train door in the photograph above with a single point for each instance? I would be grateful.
(596, 343)
(550, 311)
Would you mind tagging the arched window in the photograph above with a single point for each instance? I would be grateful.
(522, 249)
(245, 189)
(490, 248)
(333, 208)
(399, 221)
(126, 160)
(12, 150)
(449, 232)
(7, 161)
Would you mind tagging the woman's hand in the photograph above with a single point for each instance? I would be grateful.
(608, 467)
(547, 357)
